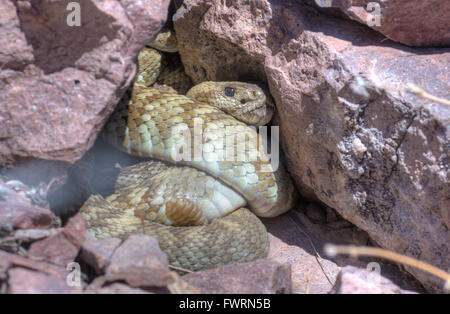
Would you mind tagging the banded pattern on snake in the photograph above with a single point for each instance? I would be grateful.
(193, 206)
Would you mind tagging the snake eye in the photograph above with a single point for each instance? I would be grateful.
(229, 91)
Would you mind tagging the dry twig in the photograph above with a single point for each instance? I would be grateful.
(355, 251)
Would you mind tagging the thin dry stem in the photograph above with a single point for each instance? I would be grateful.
(180, 269)
(408, 88)
(355, 251)
(420, 92)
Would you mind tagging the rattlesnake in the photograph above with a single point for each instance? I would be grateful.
(194, 210)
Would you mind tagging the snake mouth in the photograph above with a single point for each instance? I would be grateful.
(259, 104)
(255, 112)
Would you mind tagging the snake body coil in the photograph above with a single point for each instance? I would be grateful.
(194, 210)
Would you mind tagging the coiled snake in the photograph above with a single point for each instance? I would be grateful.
(194, 208)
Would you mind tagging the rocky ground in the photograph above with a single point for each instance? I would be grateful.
(37, 255)
(368, 153)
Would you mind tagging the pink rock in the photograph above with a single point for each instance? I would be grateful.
(410, 22)
(23, 275)
(61, 82)
(257, 277)
(98, 252)
(140, 263)
(75, 230)
(9, 260)
(62, 247)
(115, 288)
(25, 281)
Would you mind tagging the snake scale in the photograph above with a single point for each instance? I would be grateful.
(193, 206)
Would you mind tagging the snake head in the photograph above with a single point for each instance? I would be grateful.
(244, 101)
(165, 41)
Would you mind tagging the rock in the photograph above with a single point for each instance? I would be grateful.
(62, 247)
(177, 286)
(353, 280)
(257, 277)
(211, 51)
(120, 288)
(147, 17)
(59, 83)
(410, 22)
(97, 252)
(96, 287)
(23, 275)
(75, 230)
(18, 240)
(140, 263)
(17, 212)
(24, 281)
(9, 260)
(379, 157)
